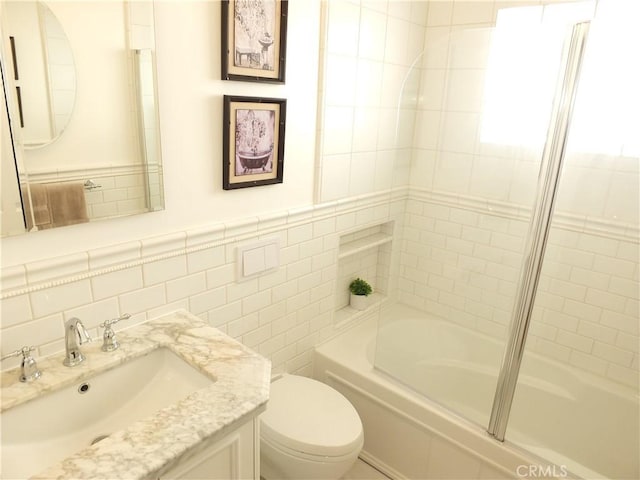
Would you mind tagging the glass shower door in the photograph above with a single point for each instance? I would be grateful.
(576, 402)
(486, 101)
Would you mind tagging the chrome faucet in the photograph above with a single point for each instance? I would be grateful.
(74, 332)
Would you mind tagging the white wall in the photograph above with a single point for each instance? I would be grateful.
(190, 91)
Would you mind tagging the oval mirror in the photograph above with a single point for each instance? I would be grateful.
(44, 72)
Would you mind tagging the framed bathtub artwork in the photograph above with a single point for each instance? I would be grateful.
(253, 141)
(254, 40)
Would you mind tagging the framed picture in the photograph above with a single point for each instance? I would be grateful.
(254, 40)
(253, 141)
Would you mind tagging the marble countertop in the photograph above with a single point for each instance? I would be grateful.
(149, 446)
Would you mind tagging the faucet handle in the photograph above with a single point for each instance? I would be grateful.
(108, 323)
(29, 368)
(110, 343)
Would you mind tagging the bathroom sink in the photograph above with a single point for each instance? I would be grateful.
(44, 431)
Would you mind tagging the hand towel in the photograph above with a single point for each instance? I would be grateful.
(40, 202)
(67, 203)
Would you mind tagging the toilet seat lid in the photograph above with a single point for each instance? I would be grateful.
(308, 416)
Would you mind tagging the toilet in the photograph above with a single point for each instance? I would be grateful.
(309, 430)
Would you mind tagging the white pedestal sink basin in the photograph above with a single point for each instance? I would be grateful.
(46, 430)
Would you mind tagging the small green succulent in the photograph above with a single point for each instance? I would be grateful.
(360, 287)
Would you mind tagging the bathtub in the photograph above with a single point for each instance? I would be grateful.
(408, 435)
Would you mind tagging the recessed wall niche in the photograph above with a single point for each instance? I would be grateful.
(364, 253)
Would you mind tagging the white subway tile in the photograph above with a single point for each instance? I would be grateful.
(632, 308)
(564, 322)
(298, 269)
(471, 12)
(553, 350)
(507, 242)
(284, 291)
(552, 302)
(209, 300)
(36, 332)
(627, 288)
(257, 336)
(236, 291)
(206, 259)
(244, 324)
(283, 355)
(612, 354)
(588, 362)
(296, 333)
(256, 302)
(605, 300)
(298, 301)
(628, 342)
(343, 22)
(63, 297)
(590, 278)
(621, 322)
(226, 313)
(614, 266)
(628, 251)
(143, 299)
(163, 270)
(574, 341)
(217, 277)
(185, 286)
(273, 344)
(15, 310)
(598, 332)
(300, 234)
(570, 290)
(115, 283)
(599, 245)
(166, 308)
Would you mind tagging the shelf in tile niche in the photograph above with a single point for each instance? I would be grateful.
(361, 244)
(348, 313)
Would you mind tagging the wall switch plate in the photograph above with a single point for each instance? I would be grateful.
(255, 258)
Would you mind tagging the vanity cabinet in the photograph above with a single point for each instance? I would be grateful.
(234, 456)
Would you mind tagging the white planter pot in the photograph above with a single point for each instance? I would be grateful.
(359, 302)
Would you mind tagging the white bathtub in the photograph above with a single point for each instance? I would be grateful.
(559, 414)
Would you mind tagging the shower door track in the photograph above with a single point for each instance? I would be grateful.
(539, 227)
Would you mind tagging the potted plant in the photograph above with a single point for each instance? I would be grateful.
(359, 290)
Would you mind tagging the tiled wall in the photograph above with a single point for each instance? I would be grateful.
(461, 261)
(471, 198)
(282, 314)
(368, 92)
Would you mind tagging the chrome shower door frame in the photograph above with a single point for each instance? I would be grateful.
(539, 227)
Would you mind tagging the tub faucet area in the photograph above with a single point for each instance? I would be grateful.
(74, 335)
